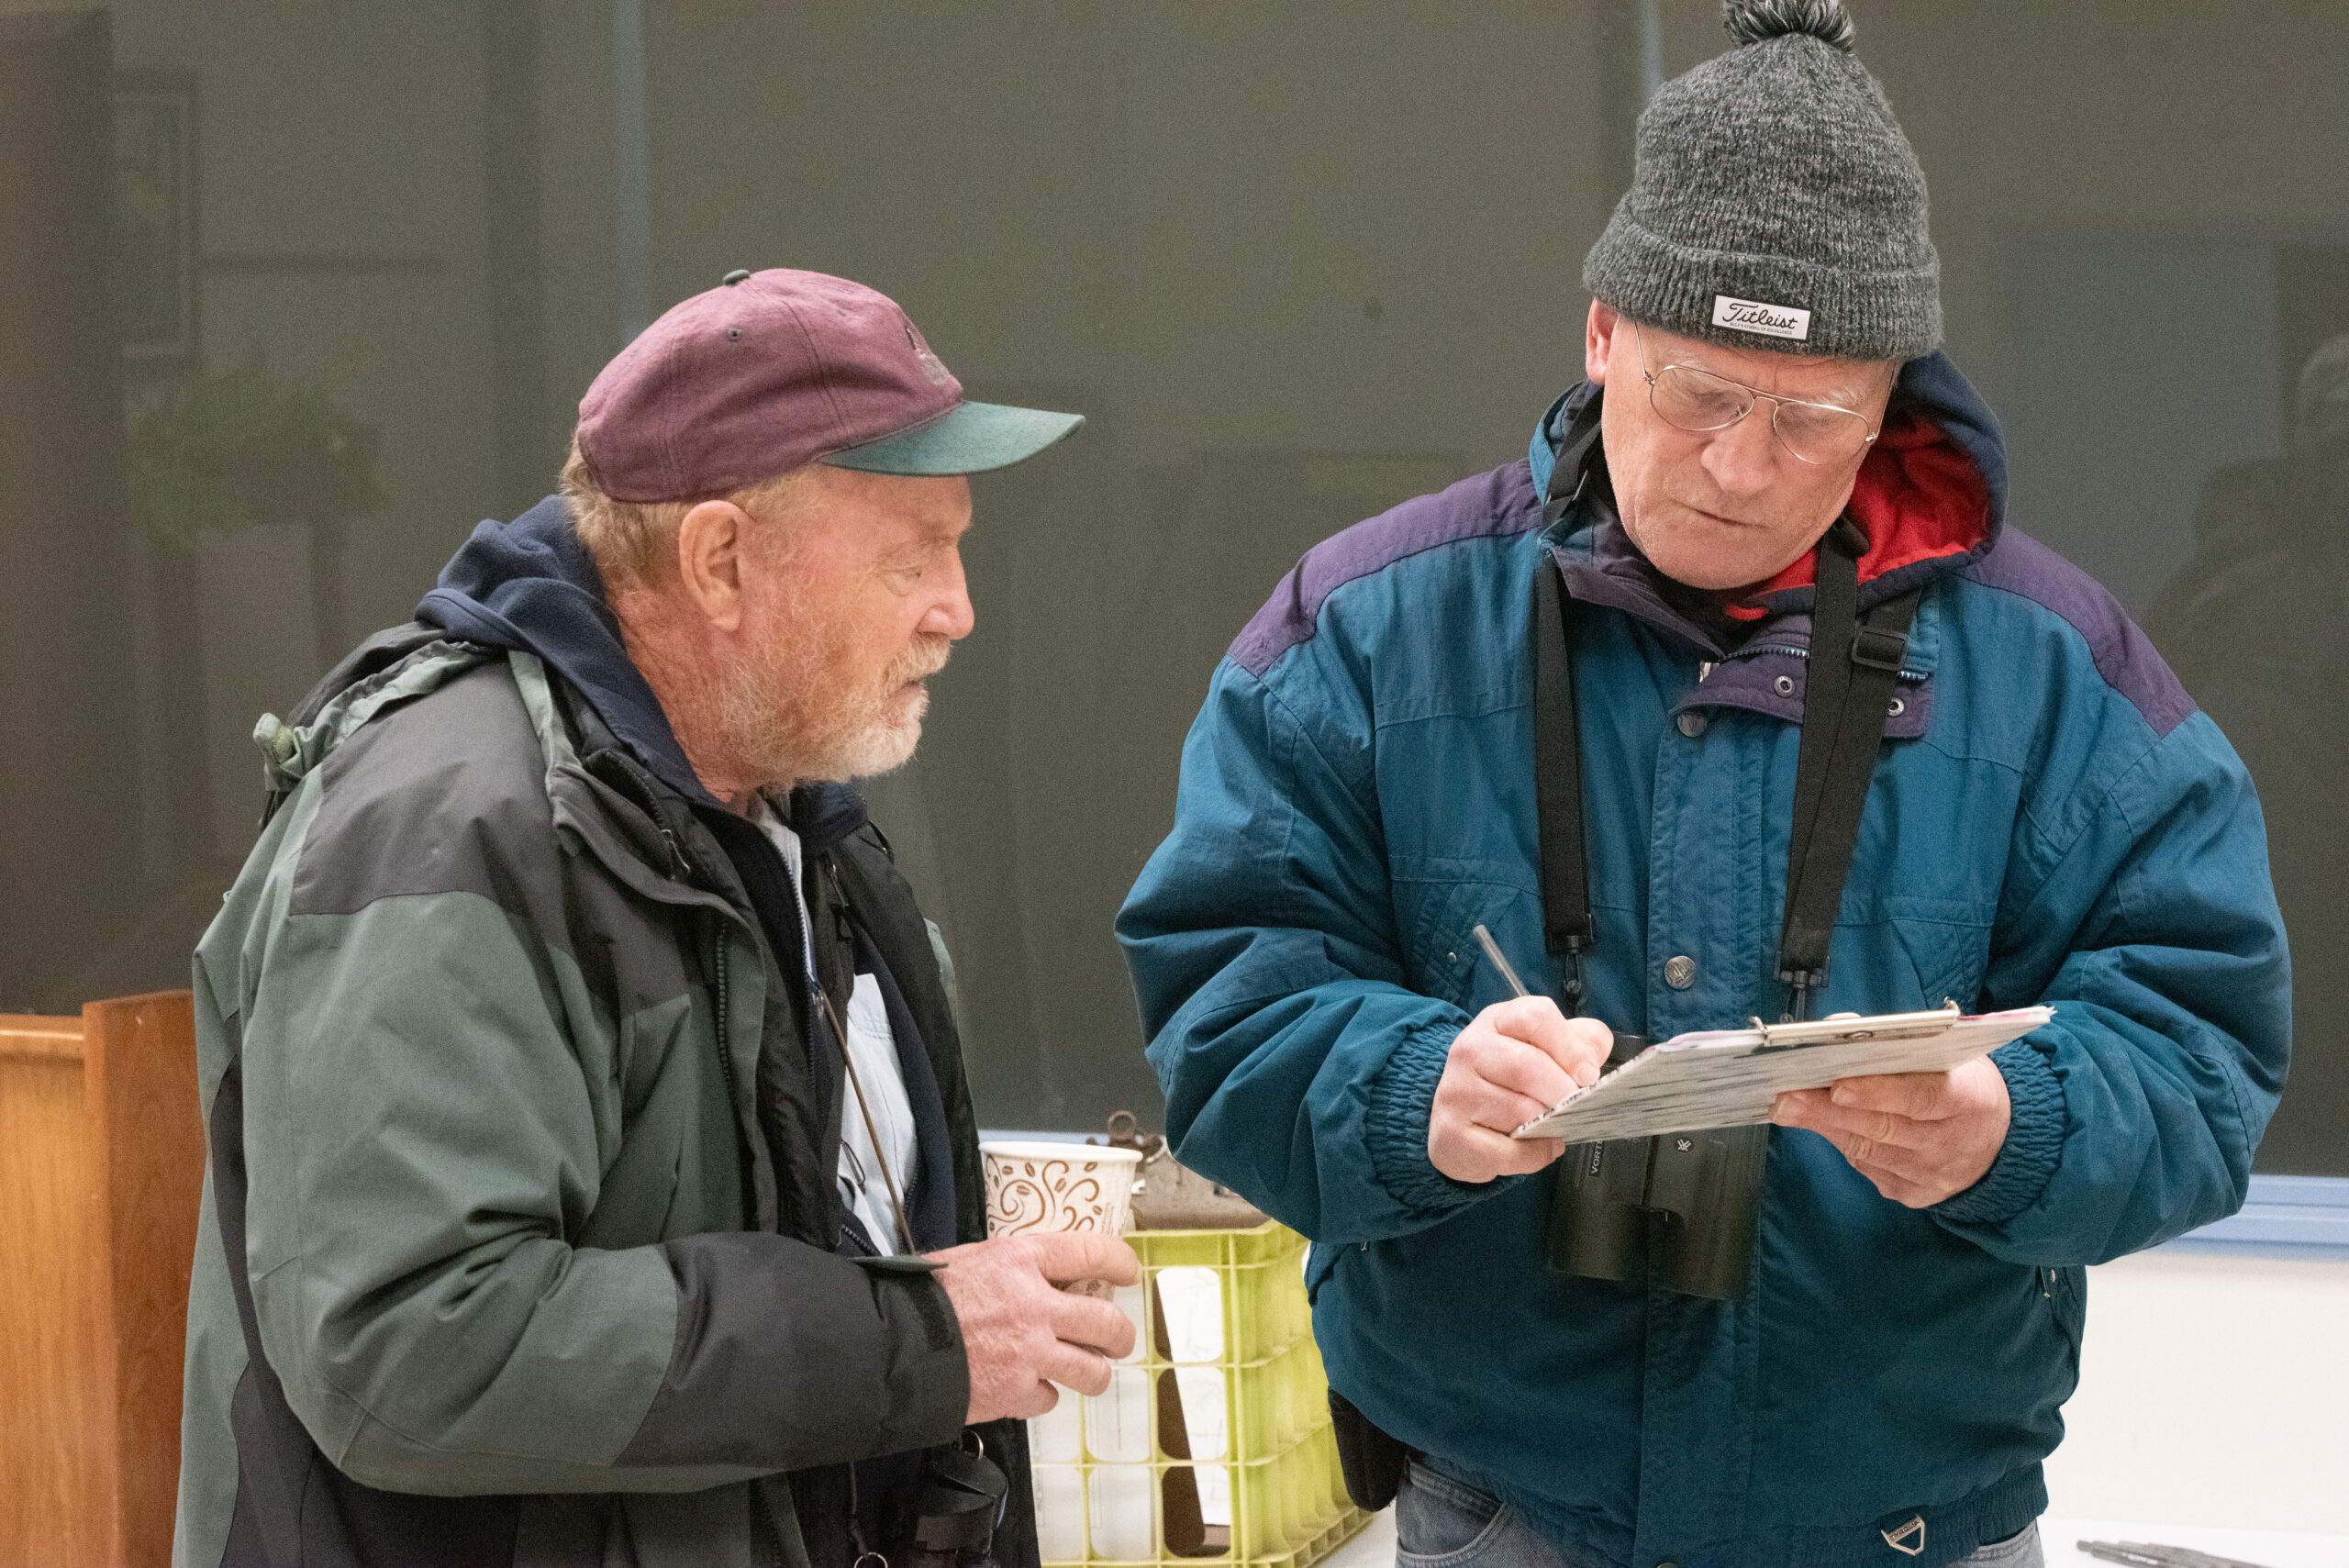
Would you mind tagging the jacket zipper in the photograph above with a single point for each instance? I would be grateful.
(745, 1163)
(725, 1046)
(685, 866)
(1754, 650)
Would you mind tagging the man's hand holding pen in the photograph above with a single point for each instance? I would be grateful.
(1513, 1061)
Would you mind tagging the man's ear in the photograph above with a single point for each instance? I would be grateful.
(1597, 341)
(712, 540)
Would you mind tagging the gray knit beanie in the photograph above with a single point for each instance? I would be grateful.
(1774, 202)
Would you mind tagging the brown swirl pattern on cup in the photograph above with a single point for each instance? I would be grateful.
(1045, 1195)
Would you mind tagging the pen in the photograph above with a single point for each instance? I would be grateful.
(1625, 1046)
(1493, 952)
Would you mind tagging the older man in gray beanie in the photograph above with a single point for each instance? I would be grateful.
(1737, 698)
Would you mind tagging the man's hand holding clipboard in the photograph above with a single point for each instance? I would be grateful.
(1910, 1099)
(1919, 1137)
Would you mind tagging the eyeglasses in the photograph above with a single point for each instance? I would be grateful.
(1699, 401)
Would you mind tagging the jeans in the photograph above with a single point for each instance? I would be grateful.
(1443, 1522)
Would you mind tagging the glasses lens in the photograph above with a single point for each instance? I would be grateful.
(1820, 434)
(1692, 400)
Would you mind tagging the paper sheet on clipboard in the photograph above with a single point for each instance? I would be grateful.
(1728, 1077)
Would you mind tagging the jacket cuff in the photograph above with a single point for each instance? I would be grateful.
(1397, 1126)
(788, 1357)
(2034, 1142)
(928, 1373)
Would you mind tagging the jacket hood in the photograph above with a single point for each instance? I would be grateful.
(1930, 494)
(532, 584)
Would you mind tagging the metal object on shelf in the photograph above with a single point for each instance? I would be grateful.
(1172, 1197)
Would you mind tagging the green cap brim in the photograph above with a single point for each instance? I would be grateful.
(970, 439)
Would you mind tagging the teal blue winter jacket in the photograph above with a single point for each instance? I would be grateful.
(2050, 821)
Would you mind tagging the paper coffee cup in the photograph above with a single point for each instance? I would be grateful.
(1035, 1187)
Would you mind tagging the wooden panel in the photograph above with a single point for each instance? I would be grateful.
(30, 1035)
(146, 1138)
(50, 1338)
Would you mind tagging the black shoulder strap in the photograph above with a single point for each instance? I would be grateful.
(1557, 746)
(1557, 781)
(1855, 665)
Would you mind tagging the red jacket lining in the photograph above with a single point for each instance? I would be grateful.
(1918, 497)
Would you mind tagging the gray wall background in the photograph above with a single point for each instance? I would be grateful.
(1297, 261)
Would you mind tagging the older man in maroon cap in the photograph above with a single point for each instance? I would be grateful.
(594, 1175)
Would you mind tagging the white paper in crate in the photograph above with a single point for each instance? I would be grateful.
(1728, 1077)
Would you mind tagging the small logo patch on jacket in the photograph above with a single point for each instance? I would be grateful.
(1753, 315)
(1909, 1539)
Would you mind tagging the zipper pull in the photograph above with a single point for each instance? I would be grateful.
(677, 854)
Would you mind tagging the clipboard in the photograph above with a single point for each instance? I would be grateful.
(1728, 1077)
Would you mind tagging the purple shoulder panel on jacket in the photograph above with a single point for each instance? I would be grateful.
(1500, 502)
(2124, 656)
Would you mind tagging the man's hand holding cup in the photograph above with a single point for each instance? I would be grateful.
(1034, 1298)
(1021, 1332)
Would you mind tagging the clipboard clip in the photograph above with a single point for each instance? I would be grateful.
(1853, 1027)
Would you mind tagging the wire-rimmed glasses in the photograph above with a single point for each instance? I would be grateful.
(1698, 401)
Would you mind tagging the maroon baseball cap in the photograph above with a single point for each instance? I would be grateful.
(769, 371)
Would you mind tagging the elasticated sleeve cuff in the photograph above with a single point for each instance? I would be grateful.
(1396, 1129)
(2034, 1142)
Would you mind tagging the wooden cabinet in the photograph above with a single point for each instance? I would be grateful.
(101, 1172)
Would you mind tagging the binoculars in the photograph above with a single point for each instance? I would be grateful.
(1678, 1208)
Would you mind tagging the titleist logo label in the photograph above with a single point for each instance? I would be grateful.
(1753, 315)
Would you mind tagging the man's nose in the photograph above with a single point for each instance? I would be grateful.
(1744, 459)
(950, 613)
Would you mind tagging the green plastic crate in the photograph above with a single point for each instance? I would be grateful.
(1278, 1458)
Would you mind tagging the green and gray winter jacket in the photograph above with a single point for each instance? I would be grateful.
(520, 1236)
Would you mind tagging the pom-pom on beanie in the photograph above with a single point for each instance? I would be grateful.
(1774, 202)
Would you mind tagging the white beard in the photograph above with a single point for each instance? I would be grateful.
(784, 714)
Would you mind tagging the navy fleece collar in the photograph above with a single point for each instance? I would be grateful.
(532, 584)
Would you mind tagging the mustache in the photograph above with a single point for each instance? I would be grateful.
(926, 658)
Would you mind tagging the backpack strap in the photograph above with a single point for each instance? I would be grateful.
(378, 654)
